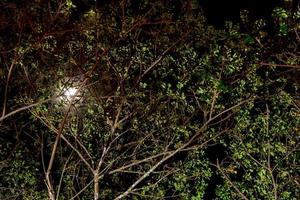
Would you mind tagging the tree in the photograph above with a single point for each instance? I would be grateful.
(125, 104)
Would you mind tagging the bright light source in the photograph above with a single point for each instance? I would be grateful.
(70, 92)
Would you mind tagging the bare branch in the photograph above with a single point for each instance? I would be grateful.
(26, 108)
(230, 182)
(280, 65)
(168, 155)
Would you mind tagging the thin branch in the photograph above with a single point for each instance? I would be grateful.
(280, 65)
(83, 147)
(171, 154)
(57, 139)
(230, 182)
(62, 174)
(26, 108)
(215, 95)
(62, 125)
(52, 128)
(82, 190)
(161, 57)
(6, 87)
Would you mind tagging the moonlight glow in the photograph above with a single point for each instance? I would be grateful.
(68, 94)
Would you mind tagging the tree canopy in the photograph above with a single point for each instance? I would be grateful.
(147, 100)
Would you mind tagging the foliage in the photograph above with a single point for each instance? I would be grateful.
(153, 96)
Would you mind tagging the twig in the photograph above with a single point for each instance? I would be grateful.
(230, 182)
(62, 174)
(160, 57)
(82, 190)
(6, 87)
(215, 95)
(280, 65)
(171, 154)
(25, 108)
(51, 127)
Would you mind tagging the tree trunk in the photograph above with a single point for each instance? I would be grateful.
(96, 185)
